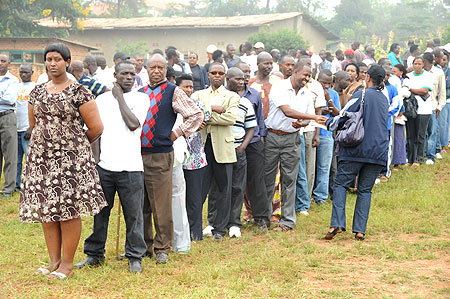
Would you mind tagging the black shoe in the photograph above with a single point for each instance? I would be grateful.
(162, 258)
(336, 230)
(90, 261)
(148, 254)
(134, 265)
(218, 237)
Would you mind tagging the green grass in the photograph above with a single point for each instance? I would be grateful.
(406, 254)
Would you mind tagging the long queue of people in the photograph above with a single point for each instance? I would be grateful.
(166, 136)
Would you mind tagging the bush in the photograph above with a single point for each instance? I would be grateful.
(282, 40)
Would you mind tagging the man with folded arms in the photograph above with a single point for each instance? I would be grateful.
(288, 102)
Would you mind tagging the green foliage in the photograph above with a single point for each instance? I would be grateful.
(17, 17)
(221, 8)
(445, 39)
(132, 49)
(124, 8)
(282, 40)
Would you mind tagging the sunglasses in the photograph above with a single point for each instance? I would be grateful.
(217, 73)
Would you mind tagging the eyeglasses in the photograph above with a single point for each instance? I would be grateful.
(217, 73)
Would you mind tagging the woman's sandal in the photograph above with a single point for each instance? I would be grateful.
(336, 230)
(282, 228)
(59, 275)
(360, 236)
(46, 271)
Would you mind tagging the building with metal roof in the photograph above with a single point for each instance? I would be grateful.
(191, 34)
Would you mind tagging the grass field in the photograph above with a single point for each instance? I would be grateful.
(406, 254)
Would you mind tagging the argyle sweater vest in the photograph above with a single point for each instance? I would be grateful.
(160, 119)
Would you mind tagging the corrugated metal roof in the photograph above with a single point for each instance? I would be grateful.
(183, 22)
(47, 40)
(148, 22)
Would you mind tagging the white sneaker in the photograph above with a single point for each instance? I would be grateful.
(438, 156)
(304, 213)
(234, 231)
(207, 232)
(429, 162)
(377, 181)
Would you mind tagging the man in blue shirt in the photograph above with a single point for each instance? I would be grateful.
(97, 88)
(324, 152)
(9, 89)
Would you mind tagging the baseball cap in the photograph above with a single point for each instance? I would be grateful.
(446, 48)
(210, 49)
(349, 51)
(258, 45)
(120, 55)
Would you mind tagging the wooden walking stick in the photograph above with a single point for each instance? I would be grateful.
(118, 232)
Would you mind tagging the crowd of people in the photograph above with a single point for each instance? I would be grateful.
(255, 134)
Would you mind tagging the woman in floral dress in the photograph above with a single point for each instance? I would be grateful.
(60, 183)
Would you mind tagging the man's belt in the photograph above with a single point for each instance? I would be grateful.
(278, 132)
(6, 112)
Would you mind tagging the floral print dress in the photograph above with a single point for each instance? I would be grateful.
(60, 181)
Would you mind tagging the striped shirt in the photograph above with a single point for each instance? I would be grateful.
(245, 119)
(94, 86)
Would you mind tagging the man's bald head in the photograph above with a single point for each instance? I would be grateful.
(234, 72)
(77, 69)
(156, 58)
(263, 56)
(3, 56)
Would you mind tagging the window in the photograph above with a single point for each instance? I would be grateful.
(16, 57)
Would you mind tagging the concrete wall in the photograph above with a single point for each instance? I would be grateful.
(189, 40)
(186, 40)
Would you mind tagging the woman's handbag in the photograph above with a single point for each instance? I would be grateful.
(352, 132)
(411, 106)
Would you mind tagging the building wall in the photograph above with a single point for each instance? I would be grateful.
(36, 48)
(317, 40)
(188, 40)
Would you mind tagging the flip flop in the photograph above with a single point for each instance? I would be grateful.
(43, 271)
(59, 275)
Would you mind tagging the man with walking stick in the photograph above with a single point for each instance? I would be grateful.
(120, 168)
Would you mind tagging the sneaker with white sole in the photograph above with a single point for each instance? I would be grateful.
(438, 156)
(377, 181)
(235, 232)
(207, 232)
(304, 213)
(429, 162)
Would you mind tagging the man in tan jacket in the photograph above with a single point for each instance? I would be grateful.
(218, 142)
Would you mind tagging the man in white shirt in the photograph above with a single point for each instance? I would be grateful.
(288, 104)
(23, 132)
(336, 64)
(120, 168)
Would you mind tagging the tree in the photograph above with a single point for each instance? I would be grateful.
(18, 17)
(282, 40)
(132, 49)
(124, 8)
(309, 6)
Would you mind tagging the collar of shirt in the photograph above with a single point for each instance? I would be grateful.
(8, 75)
(217, 91)
(84, 77)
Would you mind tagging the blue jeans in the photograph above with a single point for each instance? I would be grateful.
(22, 150)
(444, 124)
(346, 174)
(302, 202)
(432, 135)
(324, 156)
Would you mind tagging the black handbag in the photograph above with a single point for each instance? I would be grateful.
(411, 106)
(352, 132)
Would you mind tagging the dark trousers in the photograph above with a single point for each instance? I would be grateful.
(194, 201)
(130, 187)
(346, 174)
(158, 201)
(256, 187)
(416, 133)
(8, 151)
(221, 175)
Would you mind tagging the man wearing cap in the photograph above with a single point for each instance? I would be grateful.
(349, 57)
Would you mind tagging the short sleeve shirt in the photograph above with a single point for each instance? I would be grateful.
(245, 119)
(120, 148)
